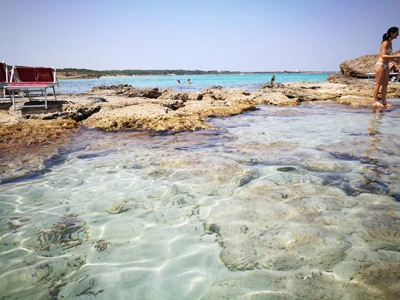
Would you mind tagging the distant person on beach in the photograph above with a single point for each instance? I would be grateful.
(273, 79)
(178, 81)
(188, 81)
(382, 67)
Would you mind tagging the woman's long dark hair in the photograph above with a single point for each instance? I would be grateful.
(390, 31)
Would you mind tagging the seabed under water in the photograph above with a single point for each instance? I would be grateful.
(280, 203)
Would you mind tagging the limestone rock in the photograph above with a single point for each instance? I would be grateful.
(212, 89)
(174, 105)
(153, 93)
(340, 78)
(195, 96)
(129, 91)
(98, 99)
(77, 113)
(309, 93)
(275, 99)
(220, 93)
(170, 94)
(43, 130)
(360, 66)
(118, 87)
(356, 101)
(272, 85)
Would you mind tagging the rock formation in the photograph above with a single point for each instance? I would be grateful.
(359, 67)
(36, 134)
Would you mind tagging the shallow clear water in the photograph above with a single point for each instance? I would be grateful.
(250, 82)
(280, 203)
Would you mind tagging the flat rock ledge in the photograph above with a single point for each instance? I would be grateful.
(35, 134)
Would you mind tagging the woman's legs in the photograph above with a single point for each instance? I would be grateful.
(379, 75)
(385, 82)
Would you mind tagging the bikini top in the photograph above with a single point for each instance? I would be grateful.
(389, 51)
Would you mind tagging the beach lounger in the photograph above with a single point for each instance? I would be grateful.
(3, 80)
(371, 76)
(32, 79)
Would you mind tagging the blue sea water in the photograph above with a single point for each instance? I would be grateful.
(250, 82)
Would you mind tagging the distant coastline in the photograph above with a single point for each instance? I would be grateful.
(72, 73)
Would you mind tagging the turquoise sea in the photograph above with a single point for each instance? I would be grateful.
(278, 203)
(250, 82)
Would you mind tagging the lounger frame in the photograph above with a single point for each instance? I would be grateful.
(371, 76)
(3, 80)
(33, 85)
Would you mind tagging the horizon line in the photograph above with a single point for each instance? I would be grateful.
(197, 70)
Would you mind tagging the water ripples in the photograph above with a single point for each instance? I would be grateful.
(303, 209)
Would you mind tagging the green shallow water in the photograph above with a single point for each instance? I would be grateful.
(280, 203)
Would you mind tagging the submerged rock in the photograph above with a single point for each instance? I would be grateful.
(69, 232)
(329, 166)
(119, 208)
(100, 245)
(286, 169)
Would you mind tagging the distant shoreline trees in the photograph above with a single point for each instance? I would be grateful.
(142, 72)
(130, 72)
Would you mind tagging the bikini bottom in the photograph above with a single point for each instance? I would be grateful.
(385, 66)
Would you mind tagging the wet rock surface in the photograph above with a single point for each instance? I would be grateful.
(25, 145)
(38, 133)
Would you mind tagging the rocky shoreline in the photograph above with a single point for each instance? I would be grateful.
(30, 136)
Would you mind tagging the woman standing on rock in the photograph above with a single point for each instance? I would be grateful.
(382, 67)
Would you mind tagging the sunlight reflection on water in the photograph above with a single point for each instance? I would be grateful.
(287, 194)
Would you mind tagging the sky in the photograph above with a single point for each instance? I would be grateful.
(231, 35)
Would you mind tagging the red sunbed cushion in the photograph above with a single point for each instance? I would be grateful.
(35, 83)
(3, 71)
(35, 74)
